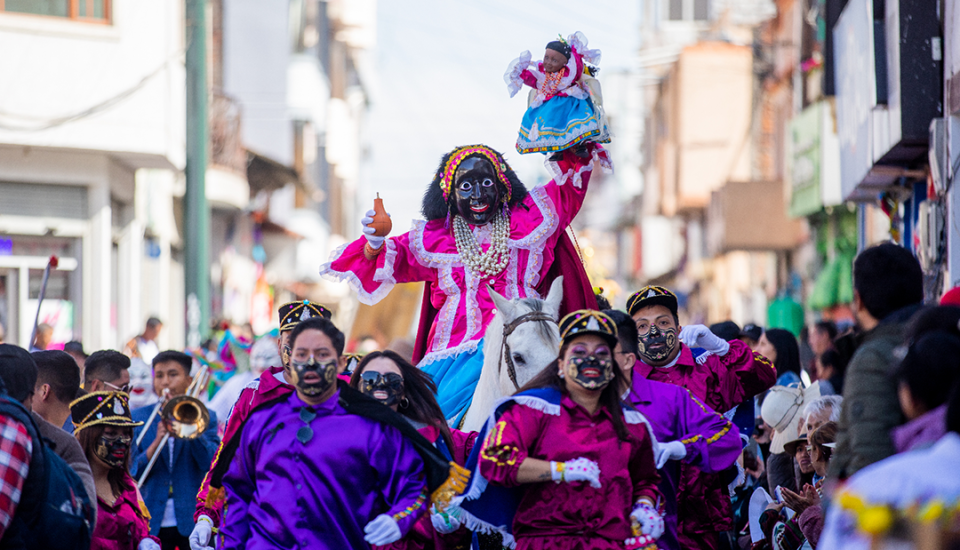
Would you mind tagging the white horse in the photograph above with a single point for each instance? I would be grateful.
(512, 357)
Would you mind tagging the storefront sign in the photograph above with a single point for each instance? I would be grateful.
(856, 91)
(805, 162)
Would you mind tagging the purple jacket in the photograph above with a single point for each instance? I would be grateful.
(712, 443)
(920, 432)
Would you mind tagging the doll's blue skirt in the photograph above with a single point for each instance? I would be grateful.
(559, 123)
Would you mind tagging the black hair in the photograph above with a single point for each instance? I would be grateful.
(18, 371)
(788, 351)
(549, 377)
(827, 326)
(418, 388)
(626, 330)
(323, 325)
(434, 206)
(728, 330)
(88, 438)
(59, 370)
(943, 318)
(153, 322)
(560, 47)
(74, 346)
(602, 302)
(887, 277)
(106, 365)
(183, 359)
(833, 358)
(931, 368)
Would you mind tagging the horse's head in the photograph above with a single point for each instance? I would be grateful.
(531, 336)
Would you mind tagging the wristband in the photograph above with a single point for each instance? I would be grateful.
(370, 253)
(557, 470)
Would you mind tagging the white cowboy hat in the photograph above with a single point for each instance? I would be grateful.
(781, 409)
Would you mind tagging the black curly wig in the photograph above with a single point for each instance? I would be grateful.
(435, 207)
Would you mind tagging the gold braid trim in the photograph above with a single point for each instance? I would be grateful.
(455, 485)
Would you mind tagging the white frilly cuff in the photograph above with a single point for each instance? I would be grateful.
(578, 41)
(512, 76)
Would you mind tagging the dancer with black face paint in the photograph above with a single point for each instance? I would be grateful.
(325, 467)
(719, 374)
(582, 461)
(105, 432)
(391, 380)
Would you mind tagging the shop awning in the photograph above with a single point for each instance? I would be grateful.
(834, 285)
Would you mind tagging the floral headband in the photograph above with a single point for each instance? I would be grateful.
(460, 154)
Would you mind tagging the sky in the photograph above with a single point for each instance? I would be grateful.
(439, 82)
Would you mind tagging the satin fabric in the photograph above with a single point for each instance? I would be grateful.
(322, 493)
(456, 378)
(571, 515)
(124, 524)
(711, 441)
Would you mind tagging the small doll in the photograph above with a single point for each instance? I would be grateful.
(565, 108)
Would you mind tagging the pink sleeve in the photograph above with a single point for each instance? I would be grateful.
(571, 178)
(506, 447)
(373, 279)
(744, 373)
(811, 524)
(528, 78)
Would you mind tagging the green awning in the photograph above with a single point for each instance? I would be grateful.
(834, 285)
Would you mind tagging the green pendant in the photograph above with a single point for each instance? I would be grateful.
(307, 415)
(305, 434)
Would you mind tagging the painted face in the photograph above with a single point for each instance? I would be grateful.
(554, 61)
(386, 388)
(657, 344)
(591, 368)
(141, 384)
(113, 449)
(285, 350)
(476, 193)
(311, 377)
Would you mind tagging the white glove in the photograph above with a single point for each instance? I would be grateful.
(148, 544)
(580, 469)
(649, 519)
(699, 336)
(200, 537)
(368, 232)
(673, 450)
(445, 522)
(382, 530)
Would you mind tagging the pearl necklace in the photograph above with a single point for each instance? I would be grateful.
(483, 264)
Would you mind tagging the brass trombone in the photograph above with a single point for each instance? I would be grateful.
(185, 416)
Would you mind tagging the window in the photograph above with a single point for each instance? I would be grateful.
(688, 10)
(94, 11)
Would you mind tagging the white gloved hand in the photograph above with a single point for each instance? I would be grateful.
(200, 537)
(445, 522)
(148, 544)
(368, 232)
(382, 530)
(580, 469)
(699, 336)
(649, 519)
(673, 450)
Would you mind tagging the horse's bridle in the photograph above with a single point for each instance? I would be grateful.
(505, 354)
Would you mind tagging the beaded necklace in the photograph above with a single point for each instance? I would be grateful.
(494, 260)
(551, 81)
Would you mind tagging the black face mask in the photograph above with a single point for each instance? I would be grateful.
(113, 451)
(663, 343)
(385, 388)
(476, 191)
(327, 372)
(590, 372)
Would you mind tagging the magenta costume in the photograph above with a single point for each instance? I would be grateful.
(319, 494)
(122, 525)
(457, 308)
(676, 415)
(721, 383)
(570, 515)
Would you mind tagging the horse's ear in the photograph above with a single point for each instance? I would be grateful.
(555, 296)
(504, 306)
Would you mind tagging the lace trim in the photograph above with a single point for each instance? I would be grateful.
(512, 76)
(578, 41)
(434, 356)
(425, 257)
(536, 240)
(600, 157)
(385, 273)
(368, 298)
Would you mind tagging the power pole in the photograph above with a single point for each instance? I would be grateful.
(195, 210)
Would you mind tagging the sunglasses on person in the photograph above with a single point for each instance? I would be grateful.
(372, 379)
(125, 388)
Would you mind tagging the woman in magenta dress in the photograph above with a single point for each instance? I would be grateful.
(105, 431)
(583, 460)
(393, 381)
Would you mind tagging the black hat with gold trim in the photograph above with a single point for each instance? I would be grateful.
(652, 296)
(292, 313)
(110, 408)
(588, 321)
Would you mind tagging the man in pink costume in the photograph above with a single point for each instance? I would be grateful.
(719, 374)
(483, 228)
